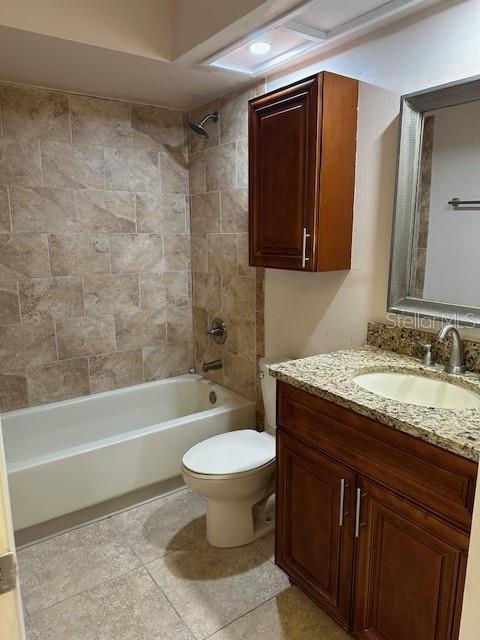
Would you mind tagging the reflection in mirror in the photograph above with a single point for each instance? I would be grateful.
(446, 239)
(435, 260)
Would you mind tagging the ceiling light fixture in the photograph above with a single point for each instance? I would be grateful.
(260, 48)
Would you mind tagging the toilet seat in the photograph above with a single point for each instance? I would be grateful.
(232, 453)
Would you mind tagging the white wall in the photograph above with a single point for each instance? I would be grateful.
(452, 271)
(313, 313)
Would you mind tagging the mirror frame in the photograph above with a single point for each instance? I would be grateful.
(412, 109)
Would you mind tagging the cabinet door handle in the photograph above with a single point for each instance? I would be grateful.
(305, 259)
(358, 510)
(343, 485)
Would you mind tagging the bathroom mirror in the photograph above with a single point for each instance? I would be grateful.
(435, 260)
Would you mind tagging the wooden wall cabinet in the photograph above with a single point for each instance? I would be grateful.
(302, 144)
(365, 526)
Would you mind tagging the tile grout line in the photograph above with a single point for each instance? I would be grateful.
(168, 599)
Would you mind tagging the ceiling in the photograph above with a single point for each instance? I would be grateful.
(157, 51)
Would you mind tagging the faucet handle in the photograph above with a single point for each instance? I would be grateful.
(428, 359)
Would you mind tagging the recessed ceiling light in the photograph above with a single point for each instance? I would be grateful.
(260, 48)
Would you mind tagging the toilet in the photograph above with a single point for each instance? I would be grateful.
(235, 473)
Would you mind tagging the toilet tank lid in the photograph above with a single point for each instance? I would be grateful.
(231, 452)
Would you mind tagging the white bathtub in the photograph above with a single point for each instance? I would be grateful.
(67, 455)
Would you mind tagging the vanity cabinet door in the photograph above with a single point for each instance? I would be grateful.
(410, 569)
(314, 528)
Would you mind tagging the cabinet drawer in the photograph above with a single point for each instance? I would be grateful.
(437, 479)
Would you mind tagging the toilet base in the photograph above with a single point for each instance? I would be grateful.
(235, 524)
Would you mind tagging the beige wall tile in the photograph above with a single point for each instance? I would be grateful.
(157, 128)
(220, 167)
(9, 302)
(79, 254)
(68, 212)
(205, 212)
(24, 254)
(57, 297)
(238, 295)
(241, 162)
(43, 210)
(260, 290)
(72, 166)
(141, 329)
(174, 172)
(222, 253)
(234, 210)
(239, 375)
(85, 336)
(167, 361)
(197, 173)
(196, 143)
(199, 251)
(207, 290)
(142, 253)
(115, 370)
(100, 121)
(20, 163)
(110, 211)
(34, 113)
(111, 293)
(166, 289)
(177, 252)
(161, 213)
(234, 115)
(131, 169)
(244, 269)
(57, 381)
(5, 226)
(27, 343)
(13, 391)
(241, 338)
(179, 324)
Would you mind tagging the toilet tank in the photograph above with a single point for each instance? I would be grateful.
(269, 390)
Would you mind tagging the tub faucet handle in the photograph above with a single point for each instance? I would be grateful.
(218, 331)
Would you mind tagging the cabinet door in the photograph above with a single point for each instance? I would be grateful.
(314, 528)
(283, 169)
(410, 570)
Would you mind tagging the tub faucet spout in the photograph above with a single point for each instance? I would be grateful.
(214, 364)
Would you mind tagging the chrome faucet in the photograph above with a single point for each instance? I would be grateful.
(456, 363)
(214, 364)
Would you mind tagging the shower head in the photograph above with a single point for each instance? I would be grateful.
(199, 127)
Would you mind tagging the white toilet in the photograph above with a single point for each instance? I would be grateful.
(235, 472)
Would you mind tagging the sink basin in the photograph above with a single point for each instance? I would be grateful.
(419, 390)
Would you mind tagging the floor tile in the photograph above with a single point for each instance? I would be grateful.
(58, 568)
(288, 616)
(155, 528)
(210, 587)
(266, 546)
(128, 608)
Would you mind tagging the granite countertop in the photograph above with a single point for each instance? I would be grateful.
(330, 376)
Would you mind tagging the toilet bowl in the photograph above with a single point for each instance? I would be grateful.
(235, 473)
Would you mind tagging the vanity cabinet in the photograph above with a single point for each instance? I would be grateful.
(372, 523)
(302, 143)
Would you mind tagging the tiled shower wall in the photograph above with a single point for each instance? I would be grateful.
(224, 285)
(94, 245)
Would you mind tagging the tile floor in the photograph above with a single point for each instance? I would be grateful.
(148, 574)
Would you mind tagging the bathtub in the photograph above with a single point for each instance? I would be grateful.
(68, 455)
